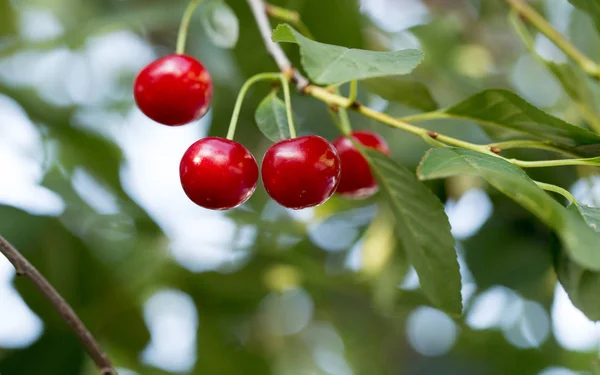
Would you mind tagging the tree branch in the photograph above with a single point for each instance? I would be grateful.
(258, 9)
(24, 268)
(334, 100)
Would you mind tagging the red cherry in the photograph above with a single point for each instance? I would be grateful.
(357, 181)
(173, 90)
(301, 172)
(218, 174)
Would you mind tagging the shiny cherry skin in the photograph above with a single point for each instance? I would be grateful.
(218, 174)
(301, 172)
(173, 90)
(357, 181)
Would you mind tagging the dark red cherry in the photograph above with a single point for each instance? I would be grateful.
(301, 172)
(218, 174)
(357, 181)
(173, 90)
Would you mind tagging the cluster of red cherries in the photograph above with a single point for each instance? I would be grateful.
(220, 174)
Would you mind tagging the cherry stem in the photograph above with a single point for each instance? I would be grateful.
(353, 91)
(240, 99)
(288, 105)
(345, 126)
(556, 189)
(183, 28)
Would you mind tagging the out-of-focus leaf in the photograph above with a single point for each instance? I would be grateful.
(8, 20)
(328, 64)
(511, 249)
(271, 118)
(580, 241)
(408, 92)
(422, 229)
(504, 109)
(57, 352)
(102, 302)
(220, 23)
(570, 78)
(592, 7)
(581, 284)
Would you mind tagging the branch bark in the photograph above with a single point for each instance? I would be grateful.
(259, 11)
(24, 268)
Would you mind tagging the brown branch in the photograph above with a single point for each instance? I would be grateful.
(260, 15)
(24, 268)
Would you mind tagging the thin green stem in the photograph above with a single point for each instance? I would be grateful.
(556, 189)
(342, 102)
(531, 144)
(240, 99)
(336, 120)
(183, 27)
(525, 10)
(290, 16)
(353, 91)
(345, 121)
(431, 141)
(288, 105)
(555, 163)
(425, 117)
(346, 128)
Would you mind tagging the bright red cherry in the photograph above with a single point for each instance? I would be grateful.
(218, 174)
(301, 172)
(357, 181)
(173, 90)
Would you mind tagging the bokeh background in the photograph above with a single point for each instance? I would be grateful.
(90, 193)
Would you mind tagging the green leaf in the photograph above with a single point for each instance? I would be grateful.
(408, 92)
(327, 64)
(506, 110)
(271, 118)
(221, 24)
(591, 7)
(581, 242)
(423, 230)
(582, 285)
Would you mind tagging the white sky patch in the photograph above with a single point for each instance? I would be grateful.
(572, 329)
(19, 326)
(430, 332)
(21, 155)
(38, 24)
(172, 319)
(587, 191)
(394, 15)
(469, 213)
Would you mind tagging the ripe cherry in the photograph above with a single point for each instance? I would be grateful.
(357, 181)
(301, 172)
(173, 90)
(218, 174)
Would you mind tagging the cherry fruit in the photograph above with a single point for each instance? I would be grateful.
(301, 172)
(173, 90)
(218, 174)
(357, 181)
